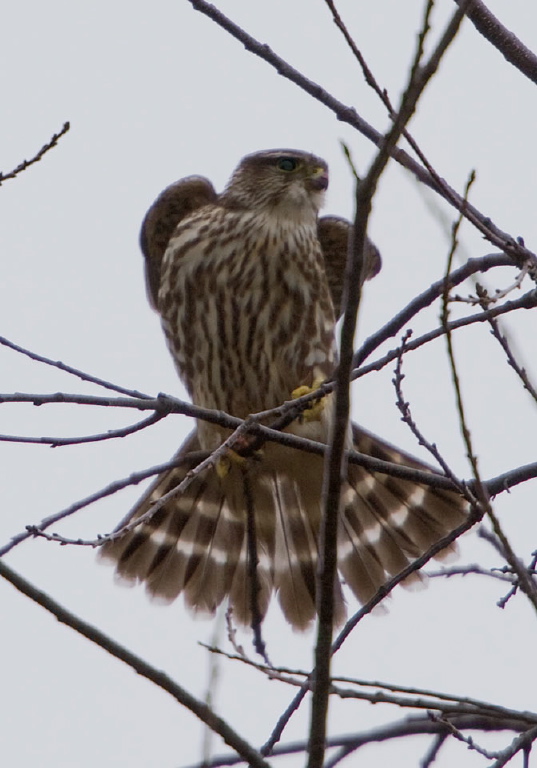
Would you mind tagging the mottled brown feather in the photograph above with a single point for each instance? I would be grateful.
(246, 283)
(335, 234)
(172, 205)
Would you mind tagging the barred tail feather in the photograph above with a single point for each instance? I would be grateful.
(170, 552)
(297, 538)
(386, 522)
(197, 543)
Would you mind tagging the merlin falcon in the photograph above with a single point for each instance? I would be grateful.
(248, 284)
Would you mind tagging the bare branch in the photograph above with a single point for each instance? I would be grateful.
(69, 369)
(457, 734)
(495, 486)
(521, 743)
(406, 417)
(349, 115)
(433, 751)
(481, 494)
(528, 301)
(253, 572)
(198, 708)
(411, 726)
(513, 49)
(469, 570)
(425, 299)
(109, 490)
(504, 343)
(112, 434)
(531, 571)
(37, 157)
(390, 693)
(527, 583)
(420, 76)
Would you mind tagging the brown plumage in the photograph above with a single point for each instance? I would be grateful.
(246, 283)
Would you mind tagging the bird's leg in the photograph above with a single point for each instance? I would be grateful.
(314, 410)
(238, 455)
(226, 461)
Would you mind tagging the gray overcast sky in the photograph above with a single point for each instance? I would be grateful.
(155, 91)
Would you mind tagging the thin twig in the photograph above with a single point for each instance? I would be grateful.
(109, 490)
(514, 589)
(37, 157)
(112, 434)
(481, 494)
(527, 583)
(528, 301)
(389, 693)
(503, 342)
(425, 299)
(457, 734)
(212, 686)
(73, 371)
(499, 293)
(470, 570)
(252, 569)
(407, 418)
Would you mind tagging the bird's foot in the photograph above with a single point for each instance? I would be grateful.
(227, 460)
(237, 456)
(314, 410)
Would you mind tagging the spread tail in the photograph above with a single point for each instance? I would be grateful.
(197, 543)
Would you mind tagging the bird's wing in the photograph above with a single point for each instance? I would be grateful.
(334, 233)
(172, 205)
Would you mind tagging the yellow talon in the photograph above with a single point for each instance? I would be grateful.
(231, 457)
(299, 391)
(226, 461)
(313, 411)
(222, 467)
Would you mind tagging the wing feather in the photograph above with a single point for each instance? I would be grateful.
(334, 233)
(172, 205)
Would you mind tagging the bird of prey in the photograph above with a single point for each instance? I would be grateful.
(248, 285)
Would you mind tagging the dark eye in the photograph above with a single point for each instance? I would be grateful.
(287, 164)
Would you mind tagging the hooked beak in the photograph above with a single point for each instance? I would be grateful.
(319, 179)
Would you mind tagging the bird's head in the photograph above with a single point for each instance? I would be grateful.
(283, 182)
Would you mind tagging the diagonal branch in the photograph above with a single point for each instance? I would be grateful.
(69, 369)
(504, 343)
(420, 76)
(198, 708)
(410, 726)
(109, 490)
(527, 301)
(425, 299)
(523, 742)
(37, 157)
(507, 43)
(111, 434)
(349, 115)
